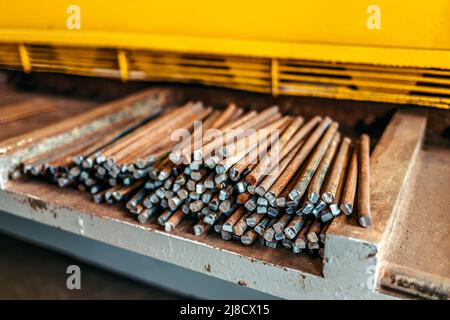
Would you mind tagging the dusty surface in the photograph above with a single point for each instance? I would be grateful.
(31, 272)
(44, 193)
(419, 239)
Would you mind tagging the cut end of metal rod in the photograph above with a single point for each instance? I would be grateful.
(262, 201)
(62, 182)
(271, 244)
(220, 169)
(197, 155)
(196, 206)
(195, 165)
(228, 227)
(241, 187)
(220, 178)
(251, 221)
(269, 234)
(196, 175)
(226, 235)
(320, 206)
(312, 237)
(326, 216)
(313, 245)
(259, 230)
(292, 203)
(247, 240)
(290, 232)
(270, 197)
(162, 219)
(281, 202)
(234, 174)
(200, 188)
(198, 230)
(175, 158)
(294, 195)
(210, 162)
(168, 227)
(174, 202)
(307, 208)
(100, 159)
(35, 170)
(272, 212)
(299, 244)
(347, 208)
(163, 175)
(78, 160)
(365, 221)
(182, 194)
(334, 208)
(260, 190)
(218, 228)
(328, 197)
(279, 236)
(313, 197)
(110, 162)
(250, 205)
(88, 163)
(286, 243)
(143, 217)
(261, 209)
(16, 174)
(209, 219)
(97, 198)
(225, 206)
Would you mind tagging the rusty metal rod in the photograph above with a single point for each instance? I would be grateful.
(364, 215)
(349, 192)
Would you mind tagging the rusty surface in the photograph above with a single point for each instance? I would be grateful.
(419, 239)
(414, 282)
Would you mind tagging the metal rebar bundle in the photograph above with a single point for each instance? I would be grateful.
(253, 177)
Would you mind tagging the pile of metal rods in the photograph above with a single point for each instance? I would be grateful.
(26, 109)
(286, 187)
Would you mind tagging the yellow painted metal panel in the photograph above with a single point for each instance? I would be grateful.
(403, 23)
(410, 33)
(384, 50)
(422, 58)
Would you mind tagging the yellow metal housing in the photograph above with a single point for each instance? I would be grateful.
(393, 51)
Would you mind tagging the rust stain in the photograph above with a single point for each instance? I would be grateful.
(37, 204)
(372, 254)
(416, 287)
(302, 281)
(242, 283)
(373, 250)
(208, 267)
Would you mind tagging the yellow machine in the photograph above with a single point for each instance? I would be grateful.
(387, 51)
